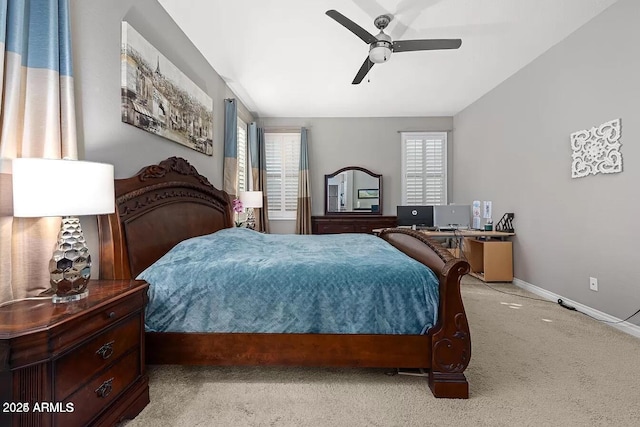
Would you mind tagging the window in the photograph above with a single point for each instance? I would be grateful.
(243, 184)
(424, 168)
(283, 161)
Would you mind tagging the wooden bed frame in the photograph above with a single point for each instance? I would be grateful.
(170, 202)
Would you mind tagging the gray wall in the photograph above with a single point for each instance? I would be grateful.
(102, 136)
(372, 143)
(513, 147)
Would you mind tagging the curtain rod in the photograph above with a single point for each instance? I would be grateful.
(419, 131)
(284, 129)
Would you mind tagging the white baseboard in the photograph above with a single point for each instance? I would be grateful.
(627, 327)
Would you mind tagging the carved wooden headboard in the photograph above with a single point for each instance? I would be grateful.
(156, 209)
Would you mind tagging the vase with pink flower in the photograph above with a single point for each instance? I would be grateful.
(238, 209)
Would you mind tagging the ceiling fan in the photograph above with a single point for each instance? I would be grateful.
(381, 46)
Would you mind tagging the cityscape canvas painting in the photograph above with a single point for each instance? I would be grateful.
(368, 193)
(159, 98)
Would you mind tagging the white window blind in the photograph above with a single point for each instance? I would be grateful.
(283, 161)
(424, 167)
(242, 156)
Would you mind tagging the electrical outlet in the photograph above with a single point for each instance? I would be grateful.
(593, 284)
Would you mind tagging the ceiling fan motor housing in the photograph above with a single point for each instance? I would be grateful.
(382, 21)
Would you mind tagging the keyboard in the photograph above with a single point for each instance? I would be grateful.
(452, 228)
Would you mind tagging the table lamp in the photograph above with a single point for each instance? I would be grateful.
(66, 188)
(251, 200)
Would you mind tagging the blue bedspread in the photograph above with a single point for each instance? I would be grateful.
(239, 280)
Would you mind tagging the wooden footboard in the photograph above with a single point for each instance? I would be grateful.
(450, 337)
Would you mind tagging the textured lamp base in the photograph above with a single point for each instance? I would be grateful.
(251, 219)
(64, 298)
(70, 266)
(69, 298)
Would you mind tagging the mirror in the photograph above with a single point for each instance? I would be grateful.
(353, 190)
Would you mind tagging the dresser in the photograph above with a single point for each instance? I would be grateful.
(74, 364)
(350, 223)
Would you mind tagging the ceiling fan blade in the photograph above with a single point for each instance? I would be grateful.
(366, 66)
(428, 44)
(372, 8)
(416, 7)
(352, 26)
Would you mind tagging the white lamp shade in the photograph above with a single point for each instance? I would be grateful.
(379, 54)
(54, 187)
(251, 199)
(380, 51)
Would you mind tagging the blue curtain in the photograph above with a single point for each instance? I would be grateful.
(230, 167)
(259, 174)
(37, 119)
(303, 212)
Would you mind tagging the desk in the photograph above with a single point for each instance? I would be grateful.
(501, 235)
(489, 253)
(459, 233)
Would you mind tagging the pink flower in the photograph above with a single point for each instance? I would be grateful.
(238, 209)
(237, 206)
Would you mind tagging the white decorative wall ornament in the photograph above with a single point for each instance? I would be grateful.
(596, 150)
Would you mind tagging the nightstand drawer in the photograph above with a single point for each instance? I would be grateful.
(91, 399)
(75, 368)
(99, 319)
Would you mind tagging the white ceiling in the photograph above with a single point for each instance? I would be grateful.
(286, 58)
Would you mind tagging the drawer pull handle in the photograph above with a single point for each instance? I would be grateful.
(105, 389)
(112, 314)
(106, 350)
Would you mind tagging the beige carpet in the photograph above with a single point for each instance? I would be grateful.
(533, 364)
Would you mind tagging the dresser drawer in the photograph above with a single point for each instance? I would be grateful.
(335, 228)
(350, 223)
(91, 399)
(75, 368)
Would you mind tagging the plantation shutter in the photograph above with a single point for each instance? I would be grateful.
(424, 167)
(283, 158)
(291, 154)
(242, 155)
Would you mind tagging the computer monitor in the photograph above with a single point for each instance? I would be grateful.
(457, 216)
(420, 216)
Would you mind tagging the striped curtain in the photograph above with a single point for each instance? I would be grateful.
(259, 174)
(37, 119)
(303, 215)
(230, 167)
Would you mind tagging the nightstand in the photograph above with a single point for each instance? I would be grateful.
(75, 364)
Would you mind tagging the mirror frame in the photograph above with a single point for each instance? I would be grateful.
(348, 168)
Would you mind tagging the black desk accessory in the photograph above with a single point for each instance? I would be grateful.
(505, 223)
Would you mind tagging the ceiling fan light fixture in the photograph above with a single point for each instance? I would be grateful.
(380, 52)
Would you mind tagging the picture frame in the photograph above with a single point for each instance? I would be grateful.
(368, 193)
(157, 97)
